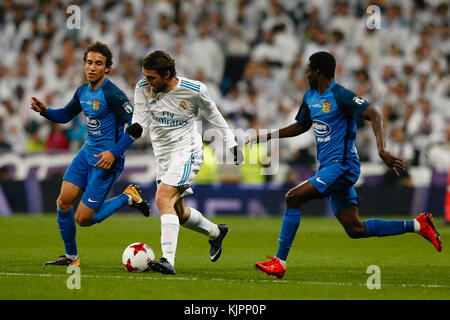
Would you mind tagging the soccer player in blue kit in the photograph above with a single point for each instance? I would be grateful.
(100, 161)
(331, 110)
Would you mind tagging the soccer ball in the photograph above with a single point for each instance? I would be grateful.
(136, 256)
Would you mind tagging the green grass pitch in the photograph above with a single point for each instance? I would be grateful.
(324, 262)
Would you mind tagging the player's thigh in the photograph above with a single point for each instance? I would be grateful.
(74, 182)
(301, 194)
(182, 168)
(100, 183)
(326, 178)
(67, 196)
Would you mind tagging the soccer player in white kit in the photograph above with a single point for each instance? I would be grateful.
(166, 107)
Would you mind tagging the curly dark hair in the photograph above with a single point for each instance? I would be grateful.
(161, 62)
(100, 48)
(324, 62)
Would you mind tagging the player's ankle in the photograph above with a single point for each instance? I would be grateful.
(214, 232)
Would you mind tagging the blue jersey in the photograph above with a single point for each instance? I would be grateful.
(332, 115)
(106, 109)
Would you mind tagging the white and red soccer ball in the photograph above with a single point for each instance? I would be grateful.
(136, 256)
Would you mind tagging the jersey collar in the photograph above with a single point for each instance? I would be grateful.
(330, 87)
(101, 86)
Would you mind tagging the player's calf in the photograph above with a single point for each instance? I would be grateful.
(355, 230)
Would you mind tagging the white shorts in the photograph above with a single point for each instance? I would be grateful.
(179, 168)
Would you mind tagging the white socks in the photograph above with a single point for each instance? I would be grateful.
(416, 226)
(199, 223)
(170, 226)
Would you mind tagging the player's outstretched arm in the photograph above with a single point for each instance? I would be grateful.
(63, 115)
(394, 163)
(293, 130)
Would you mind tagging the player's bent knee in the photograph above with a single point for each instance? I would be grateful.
(62, 204)
(293, 199)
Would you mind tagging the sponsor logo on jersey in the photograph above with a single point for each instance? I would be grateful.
(182, 105)
(326, 107)
(92, 123)
(96, 104)
(322, 131)
(321, 128)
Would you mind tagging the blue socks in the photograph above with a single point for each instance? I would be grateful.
(291, 221)
(109, 207)
(67, 226)
(382, 228)
(67, 229)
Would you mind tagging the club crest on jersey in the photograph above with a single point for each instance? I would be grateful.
(182, 105)
(326, 107)
(96, 104)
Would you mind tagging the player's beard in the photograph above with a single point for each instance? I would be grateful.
(161, 87)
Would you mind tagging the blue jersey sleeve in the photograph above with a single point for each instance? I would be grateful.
(118, 102)
(304, 115)
(67, 113)
(348, 101)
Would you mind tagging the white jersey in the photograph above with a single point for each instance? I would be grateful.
(170, 118)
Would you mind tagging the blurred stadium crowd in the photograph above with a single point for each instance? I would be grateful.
(250, 53)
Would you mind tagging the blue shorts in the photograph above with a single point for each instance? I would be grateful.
(336, 182)
(95, 182)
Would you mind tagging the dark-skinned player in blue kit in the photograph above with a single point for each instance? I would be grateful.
(100, 161)
(331, 110)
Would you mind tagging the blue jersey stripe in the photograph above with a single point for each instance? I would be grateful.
(187, 170)
(190, 85)
(194, 87)
(184, 86)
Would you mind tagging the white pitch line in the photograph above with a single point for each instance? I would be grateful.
(170, 278)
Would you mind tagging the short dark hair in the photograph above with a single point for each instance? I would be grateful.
(324, 62)
(161, 62)
(100, 48)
